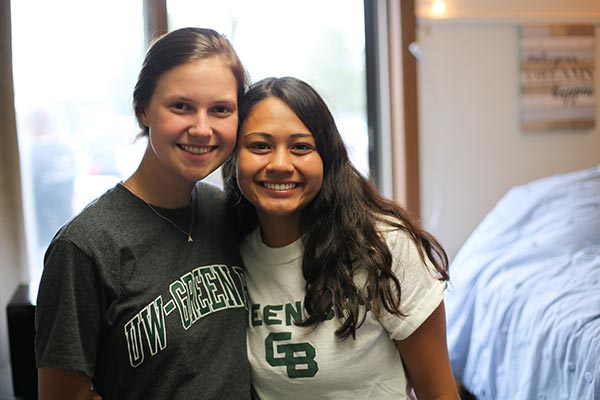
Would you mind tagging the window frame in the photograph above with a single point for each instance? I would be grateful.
(394, 172)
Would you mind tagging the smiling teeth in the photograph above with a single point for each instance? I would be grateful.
(195, 149)
(279, 186)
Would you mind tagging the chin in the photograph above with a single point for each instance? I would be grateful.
(198, 175)
(279, 213)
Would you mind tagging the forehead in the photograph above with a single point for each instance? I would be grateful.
(198, 77)
(273, 115)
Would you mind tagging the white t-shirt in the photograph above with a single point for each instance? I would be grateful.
(291, 362)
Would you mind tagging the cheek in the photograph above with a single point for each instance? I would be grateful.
(229, 135)
(316, 175)
(319, 185)
(316, 189)
(163, 125)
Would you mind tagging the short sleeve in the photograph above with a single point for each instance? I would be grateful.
(422, 291)
(67, 310)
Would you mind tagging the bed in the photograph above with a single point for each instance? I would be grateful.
(523, 305)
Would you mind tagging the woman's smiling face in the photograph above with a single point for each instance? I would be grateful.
(192, 119)
(279, 169)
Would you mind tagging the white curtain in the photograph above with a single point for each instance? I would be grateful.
(13, 254)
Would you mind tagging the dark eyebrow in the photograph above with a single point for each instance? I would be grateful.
(268, 135)
(178, 98)
(261, 134)
(301, 135)
(185, 99)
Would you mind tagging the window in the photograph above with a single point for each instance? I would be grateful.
(74, 81)
(301, 39)
(75, 65)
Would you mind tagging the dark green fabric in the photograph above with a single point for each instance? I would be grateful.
(126, 299)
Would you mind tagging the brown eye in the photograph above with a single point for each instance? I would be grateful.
(302, 148)
(179, 106)
(259, 147)
(222, 110)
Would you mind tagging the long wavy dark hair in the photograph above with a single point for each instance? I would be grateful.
(340, 226)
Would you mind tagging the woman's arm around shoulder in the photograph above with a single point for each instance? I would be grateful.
(426, 360)
(61, 384)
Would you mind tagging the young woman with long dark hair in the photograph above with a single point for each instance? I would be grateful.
(345, 288)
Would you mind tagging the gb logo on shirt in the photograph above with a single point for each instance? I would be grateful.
(298, 358)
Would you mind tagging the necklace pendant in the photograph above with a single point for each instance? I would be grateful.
(190, 238)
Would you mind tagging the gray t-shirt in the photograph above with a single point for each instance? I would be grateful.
(127, 300)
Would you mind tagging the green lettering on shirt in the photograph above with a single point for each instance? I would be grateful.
(297, 358)
(154, 325)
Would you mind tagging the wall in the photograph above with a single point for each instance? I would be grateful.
(472, 148)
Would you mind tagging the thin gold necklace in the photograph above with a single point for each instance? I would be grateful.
(188, 234)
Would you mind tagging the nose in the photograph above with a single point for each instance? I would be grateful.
(280, 162)
(200, 125)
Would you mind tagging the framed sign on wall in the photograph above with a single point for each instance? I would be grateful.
(557, 77)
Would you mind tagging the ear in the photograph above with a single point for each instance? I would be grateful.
(143, 117)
